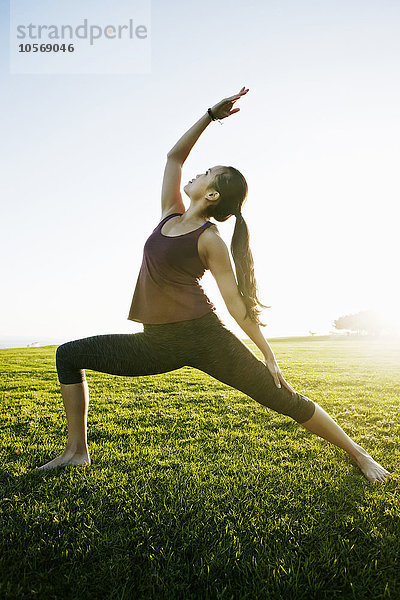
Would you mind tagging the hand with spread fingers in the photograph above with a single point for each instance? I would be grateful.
(223, 109)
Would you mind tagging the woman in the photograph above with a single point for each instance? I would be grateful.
(180, 326)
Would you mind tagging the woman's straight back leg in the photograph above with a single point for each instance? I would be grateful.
(220, 353)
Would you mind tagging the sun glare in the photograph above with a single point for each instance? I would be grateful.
(390, 314)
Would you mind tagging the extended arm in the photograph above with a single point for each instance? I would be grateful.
(171, 199)
(183, 146)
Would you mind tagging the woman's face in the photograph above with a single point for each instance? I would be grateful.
(198, 186)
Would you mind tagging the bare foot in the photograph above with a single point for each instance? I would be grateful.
(65, 459)
(372, 470)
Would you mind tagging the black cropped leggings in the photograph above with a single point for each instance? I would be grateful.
(204, 343)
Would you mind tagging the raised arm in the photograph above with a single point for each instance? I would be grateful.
(171, 199)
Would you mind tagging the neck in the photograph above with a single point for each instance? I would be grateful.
(195, 214)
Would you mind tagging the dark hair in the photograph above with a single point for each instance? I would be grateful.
(232, 187)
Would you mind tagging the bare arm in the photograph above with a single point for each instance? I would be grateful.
(171, 199)
(219, 263)
(183, 146)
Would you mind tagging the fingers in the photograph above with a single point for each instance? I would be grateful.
(275, 375)
(286, 385)
(280, 380)
(240, 94)
(276, 380)
(235, 97)
(274, 370)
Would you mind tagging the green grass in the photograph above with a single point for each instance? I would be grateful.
(198, 492)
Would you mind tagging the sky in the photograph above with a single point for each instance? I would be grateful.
(317, 138)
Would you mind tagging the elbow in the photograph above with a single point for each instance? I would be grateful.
(177, 156)
(173, 155)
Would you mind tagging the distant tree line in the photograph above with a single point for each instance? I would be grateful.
(364, 322)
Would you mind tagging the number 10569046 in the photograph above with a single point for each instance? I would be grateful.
(46, 48)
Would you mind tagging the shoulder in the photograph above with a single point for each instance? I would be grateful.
(210, 243)
(210, 235)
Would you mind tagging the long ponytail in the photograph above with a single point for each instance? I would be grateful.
(232, 188)
(244, 267)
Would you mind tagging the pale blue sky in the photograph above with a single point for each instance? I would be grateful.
(317, 138)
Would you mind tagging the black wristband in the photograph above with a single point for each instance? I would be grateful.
(211, 115)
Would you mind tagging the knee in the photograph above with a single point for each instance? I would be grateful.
(62, 353)
(59, 353)
(61, 360)
(67, 372)
(298, 407)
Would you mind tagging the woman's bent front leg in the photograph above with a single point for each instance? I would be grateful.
(127, 355)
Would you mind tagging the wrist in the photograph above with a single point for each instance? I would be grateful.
(211, 114)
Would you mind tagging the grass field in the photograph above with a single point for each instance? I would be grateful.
(198, 492)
